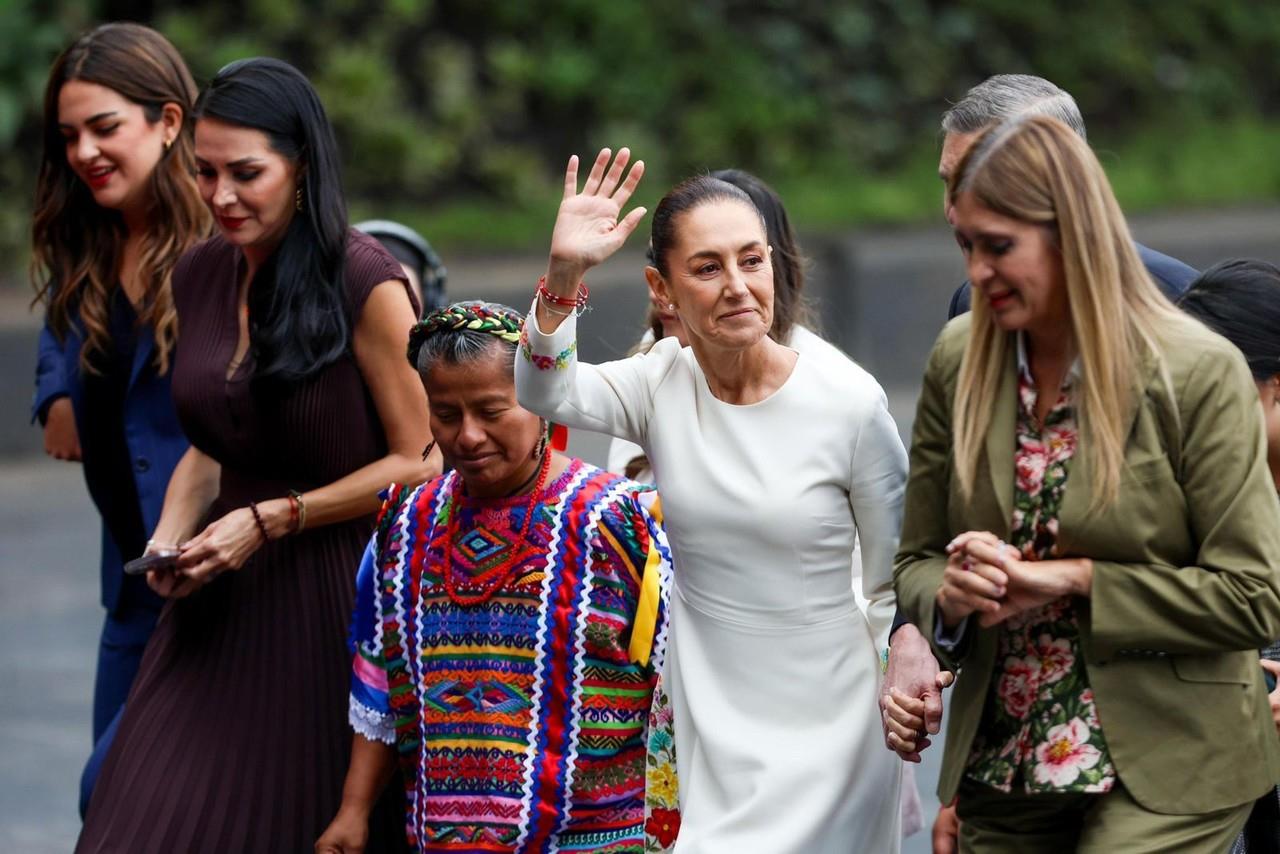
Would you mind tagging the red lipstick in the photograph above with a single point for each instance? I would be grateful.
(99, 178)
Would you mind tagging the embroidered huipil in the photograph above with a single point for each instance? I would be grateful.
(520, 721)
(1040, 729)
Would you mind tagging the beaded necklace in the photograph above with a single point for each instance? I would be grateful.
(492, 579)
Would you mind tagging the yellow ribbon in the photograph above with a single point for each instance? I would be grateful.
(646, 621)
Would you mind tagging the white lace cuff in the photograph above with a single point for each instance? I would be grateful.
(374, 726)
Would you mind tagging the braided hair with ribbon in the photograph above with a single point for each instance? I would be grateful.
(465, 331)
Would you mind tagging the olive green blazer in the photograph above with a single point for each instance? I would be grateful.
(1186, 579)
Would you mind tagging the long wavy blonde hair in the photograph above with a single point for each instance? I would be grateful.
(76, 243)
(1037, 170)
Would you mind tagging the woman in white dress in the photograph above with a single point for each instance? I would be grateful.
(770, 464)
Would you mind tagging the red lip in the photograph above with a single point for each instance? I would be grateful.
(232, 223)
(99, 180)
(999, 301)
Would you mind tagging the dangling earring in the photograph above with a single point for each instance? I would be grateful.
(541, 448)
(297, 200)
(168, 143)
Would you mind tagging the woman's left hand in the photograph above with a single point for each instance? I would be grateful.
(225, 544)
(1030, 584)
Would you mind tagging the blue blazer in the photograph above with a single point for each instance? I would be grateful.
(155, 439)
(1171, 275)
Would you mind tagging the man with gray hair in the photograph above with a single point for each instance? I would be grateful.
(1007, 96)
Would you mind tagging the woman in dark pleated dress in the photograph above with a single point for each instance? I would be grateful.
(291, 383)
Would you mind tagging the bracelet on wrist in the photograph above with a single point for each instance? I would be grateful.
(301, 521)
(257, 517)
(547, 308)
(576, 303)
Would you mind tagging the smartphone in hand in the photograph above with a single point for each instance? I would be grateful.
(159, 559)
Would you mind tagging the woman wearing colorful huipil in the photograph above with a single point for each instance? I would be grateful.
(509, 625)
(1091, 529)
(771, 465)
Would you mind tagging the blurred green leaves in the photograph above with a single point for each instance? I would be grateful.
(459, 114)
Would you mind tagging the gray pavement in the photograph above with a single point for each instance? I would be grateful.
(881, 295)
(49, 624)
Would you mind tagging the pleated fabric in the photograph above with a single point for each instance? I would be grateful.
(234, 737)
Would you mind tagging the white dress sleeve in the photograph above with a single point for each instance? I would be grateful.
(621, 454)
(876, 486)
(615, 398)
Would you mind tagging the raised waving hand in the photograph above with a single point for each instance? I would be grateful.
(588, 225)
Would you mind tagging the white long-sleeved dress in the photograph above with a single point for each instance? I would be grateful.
(772, 668)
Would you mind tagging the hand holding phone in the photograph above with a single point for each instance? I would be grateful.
(158, 559)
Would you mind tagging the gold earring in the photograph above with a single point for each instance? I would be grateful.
(297, 200)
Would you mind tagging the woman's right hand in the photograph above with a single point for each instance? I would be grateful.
(968, 585)
(346, 834)
(61, 441)
(588, 229)
(166, 581)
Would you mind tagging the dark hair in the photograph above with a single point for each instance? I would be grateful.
(1240, 300)
(76, 243)
(297, 303)
(464, 332)
(684, 197)
(789, 306)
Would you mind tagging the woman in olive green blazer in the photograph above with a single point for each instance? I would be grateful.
(1155, 572)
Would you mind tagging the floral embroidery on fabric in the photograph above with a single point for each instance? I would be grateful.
(661, 803)
(546, 363)
(1040, 729)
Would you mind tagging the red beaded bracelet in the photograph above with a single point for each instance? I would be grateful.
(578, 303)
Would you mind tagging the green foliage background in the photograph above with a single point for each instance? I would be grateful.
(457, 116)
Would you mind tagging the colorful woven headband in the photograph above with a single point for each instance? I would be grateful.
(475, 317)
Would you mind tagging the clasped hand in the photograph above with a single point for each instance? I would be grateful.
(985, 576)
(225, 544)
(911, 696)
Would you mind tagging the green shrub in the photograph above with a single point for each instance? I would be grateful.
(458, 115)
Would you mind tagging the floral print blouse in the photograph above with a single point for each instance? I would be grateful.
(1040, 730)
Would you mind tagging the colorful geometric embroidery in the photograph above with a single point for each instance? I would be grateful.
(520, 721)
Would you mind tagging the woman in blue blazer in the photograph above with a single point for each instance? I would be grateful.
(116, 205)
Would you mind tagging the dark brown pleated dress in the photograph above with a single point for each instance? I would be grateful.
(234, 737)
